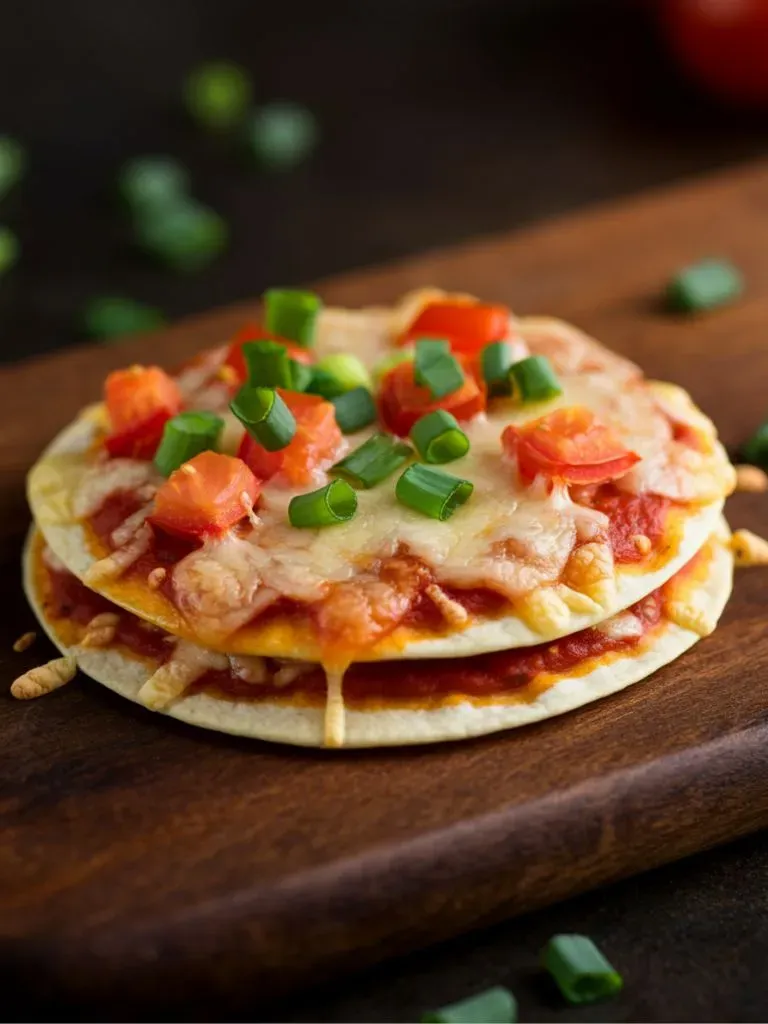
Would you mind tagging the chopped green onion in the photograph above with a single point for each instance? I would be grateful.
(292, 314)
(348, 370)
(426, 352)
(756, 448)
(9, 249)
(111, 316)
(12, 162)
(438, 437)
(704, 285)
(280, 135)
(324, 384)
(301, 375)
(388, 363)
(268, 364)
(185, 436)
(265, 416)
(184, 234)
(534, 380)
(432, 492)
(494, 1006)
(152, 182)
(334, 503)
(496, 360)
(218, 94)
(355, 409)
(375, 460)
(580, 970)
(435, 368)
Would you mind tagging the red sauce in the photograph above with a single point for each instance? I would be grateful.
(67, 598)
(631, 515)
(483, 675)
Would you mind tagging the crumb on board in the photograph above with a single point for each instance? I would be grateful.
(25, 640)
(44, 679)
(749, 549)
(751, 478)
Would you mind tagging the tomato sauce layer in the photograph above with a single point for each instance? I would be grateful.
(384, 684)
(397, 683)
(65, 598)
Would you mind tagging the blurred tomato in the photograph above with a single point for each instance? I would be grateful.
(723, 43)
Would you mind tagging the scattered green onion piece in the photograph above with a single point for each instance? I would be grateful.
(268, 364)
(185, 436)
(438, 437)
(281, 135)
(437, 370)
(111, 316)
(324, 384)
(12, 162)
(355, 409)
(432, 492)
(426, 352)
(184, 234)
(704, 285)
(9, 249)
(494, 1006)
(301, 375)
(534, 380)
(152, 182)
(292, 314)
(496, 360)
(348, 370)
(756, 448)
(265, 416)
(580, 970)
(375, 460)
(218, 94)
(334, 503)
(388, 363)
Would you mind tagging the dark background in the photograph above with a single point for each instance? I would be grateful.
(440, 120)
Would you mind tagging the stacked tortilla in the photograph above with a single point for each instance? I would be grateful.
(535, 597)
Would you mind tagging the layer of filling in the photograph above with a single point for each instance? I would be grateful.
(72, 610)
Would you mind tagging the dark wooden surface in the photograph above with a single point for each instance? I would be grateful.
(178, 867)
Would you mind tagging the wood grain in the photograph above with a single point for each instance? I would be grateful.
(145, 858)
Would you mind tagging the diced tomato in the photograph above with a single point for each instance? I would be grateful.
(316, 441)
(205, 496)
(140, 401)
(140, 441)
(569, 445)
(402, 401)
(468, 326)
(253, 332)
(136, 394)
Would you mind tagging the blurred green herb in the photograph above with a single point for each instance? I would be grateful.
(183, 234)
(218, 95)
(9, 249)
(12, 163)
(281, 135)
(112, 316)
(148, 183)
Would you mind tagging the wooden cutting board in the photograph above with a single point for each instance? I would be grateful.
(158, 864)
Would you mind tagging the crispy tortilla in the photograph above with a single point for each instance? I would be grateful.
(696, 599)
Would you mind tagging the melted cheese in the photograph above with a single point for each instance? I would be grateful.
(187, 663)
(509, 537)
